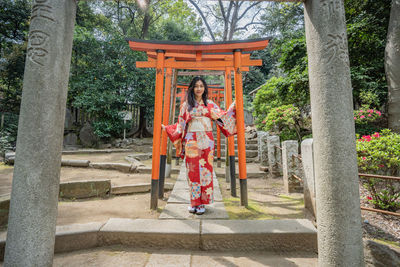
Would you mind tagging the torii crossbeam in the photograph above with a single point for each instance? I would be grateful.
(225, 56)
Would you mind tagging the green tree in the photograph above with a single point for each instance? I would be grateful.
(104, 75)
(266, 99)
(367, 24)
(14, 26)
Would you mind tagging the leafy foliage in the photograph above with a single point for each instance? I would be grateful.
(380, 154)
(281, 91)
(266, 99)
(367, 120)
(14, 24)
(287, 122)
(367, 24)
(104, 77)
(8, 134)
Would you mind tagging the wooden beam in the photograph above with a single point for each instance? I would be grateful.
(192, 47)
(200, 72)
(193, 56)
(188, 66)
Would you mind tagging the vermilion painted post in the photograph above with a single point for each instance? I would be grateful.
(164, 137)
(218, 147)
(155, 166)
(231, 140)
(240, 127)
(171, 118)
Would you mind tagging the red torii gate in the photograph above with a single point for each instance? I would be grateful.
(227, 56)
(216, 92)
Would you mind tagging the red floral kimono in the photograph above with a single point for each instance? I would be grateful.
(193, 139)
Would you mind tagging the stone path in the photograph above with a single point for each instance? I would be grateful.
(178, 201)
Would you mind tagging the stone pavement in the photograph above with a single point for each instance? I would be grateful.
(123, 256)
(178, 201)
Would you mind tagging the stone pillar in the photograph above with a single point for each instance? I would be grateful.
(290, 149)
(35, 186)
(392, 66)
(274, 156)
(307, 156)
(262, 148)
(336, 175)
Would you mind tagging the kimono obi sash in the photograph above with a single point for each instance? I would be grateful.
(200, 124)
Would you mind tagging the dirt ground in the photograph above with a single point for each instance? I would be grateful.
(68, 174)
(132, 206)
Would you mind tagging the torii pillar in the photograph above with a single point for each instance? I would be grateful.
(240, 127)
(158, 100)
(164, 137)
(231, 140)
(337, 196)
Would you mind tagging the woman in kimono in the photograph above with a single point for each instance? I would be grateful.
(193, 138)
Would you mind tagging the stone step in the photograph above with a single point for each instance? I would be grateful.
(252, 141)
(249, 153)
(248, 146)
(282, 235)
(148, 169)
(248, 160)
(253, 155)
(136, 188)
(250, 175)
(214, 235)
(95, 151)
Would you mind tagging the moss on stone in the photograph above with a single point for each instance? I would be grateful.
(4, 166)
(387, 242)
(253, 211)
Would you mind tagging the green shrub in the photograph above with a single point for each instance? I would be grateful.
(367, 120)
(266, 99)
(380, 154)
(284, 121)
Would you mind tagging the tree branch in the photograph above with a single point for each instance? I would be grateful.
(221, 6)
(204, 19)
(229, 10)
(212, 13)
(247, 9)
(247, 25)
(250, 23)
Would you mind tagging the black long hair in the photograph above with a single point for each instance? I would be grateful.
(190, 98)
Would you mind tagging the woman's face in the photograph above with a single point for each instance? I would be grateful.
(198, 89)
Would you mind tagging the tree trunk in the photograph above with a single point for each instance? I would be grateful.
(142, 130)
(146, 21)
(234, 21)
(392, 66)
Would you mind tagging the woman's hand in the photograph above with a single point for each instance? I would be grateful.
(163, 127)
